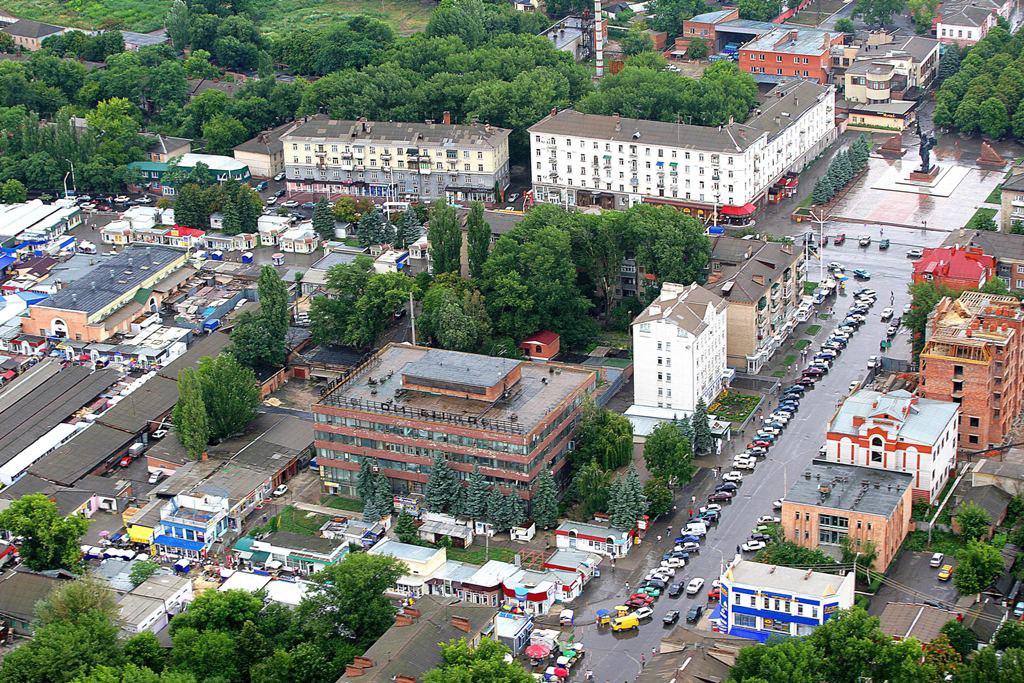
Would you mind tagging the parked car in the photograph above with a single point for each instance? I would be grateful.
(887, 314)
(279, 177)
(692, 547)
(752, 546)
(279, 193)
(159, 434)
(864, 241)
(936, 560)
(308, 205)
(290, 204)
(839, 239)
(915, 253)
(694, 586)
(873, 362)
(1018, 611)
(635, 603)
(644, 613)
(125, 461)
(721, 496)
(714, 594)
(716, 508)
(946, 572)
(694, 614)
(155, 477)
(271, 201)
(883, 244)
(811, 371)
(768, 519)
(806, 382)
(892, 331)
(671, 617)
(764, 538)
(281, 490)
(777, 504)
(733, 476)
(689, 538)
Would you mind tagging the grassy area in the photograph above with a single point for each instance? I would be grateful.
(617, 362)
(275, 16)
(779, 373)
(789, 360)
(813, 329)
(733, 406)
(350, 504)
(806, 202)
(479, 554)
(296, 521)
(816, 12)
(942, 542)
(809, 287)
(981, 215)
(995, 196)
(802, 344)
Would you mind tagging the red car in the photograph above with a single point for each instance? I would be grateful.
(721, 497)
(759, 443)
(125, 461)
(839, 239)
(636, 601)
(714, 594)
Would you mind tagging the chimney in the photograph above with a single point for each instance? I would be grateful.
(446, 118)
(413, 612)
(554, 110)
(402, 620)
(462, 623)
(618, 121)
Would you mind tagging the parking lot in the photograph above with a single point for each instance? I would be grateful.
(911, 579)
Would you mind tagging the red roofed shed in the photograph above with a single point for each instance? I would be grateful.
(543, 345)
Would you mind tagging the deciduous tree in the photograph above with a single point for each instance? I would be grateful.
(478, 236)
(978, 565)
(658, 495)
(142, 570)
(230, 394)
(605, 437)
(50, 540)
(445, 236)
(973, 520)
(191, 423)
(668, 454)
(489, 661)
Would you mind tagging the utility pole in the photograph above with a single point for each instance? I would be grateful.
(412, 318)
(821, 217)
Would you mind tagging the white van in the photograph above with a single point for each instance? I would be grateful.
(696, 528)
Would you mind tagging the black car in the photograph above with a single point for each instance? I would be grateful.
(675, 590)
(279, 193)
(656, 583)
(670, 618)
(795, 389)
(721, 497)
(726, 486)
(761, 537)
(693, 616)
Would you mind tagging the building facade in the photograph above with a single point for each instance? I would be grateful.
(29, 35)
(679, 349)
(899, 432)
(830, 502)
(762, 284)
(1012, 200)
(407, 404)
(264, 154)
(972, 356)
(957, 268)
(397, 161)
(965, 22)
(593, 538)
(221, 169)
(759, 601)
(790, 52)
(726, 171)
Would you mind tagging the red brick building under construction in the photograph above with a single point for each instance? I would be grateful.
(408, 404)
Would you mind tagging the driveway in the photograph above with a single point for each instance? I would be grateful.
(911, 579)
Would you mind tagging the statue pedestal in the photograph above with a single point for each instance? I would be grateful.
(927, 177)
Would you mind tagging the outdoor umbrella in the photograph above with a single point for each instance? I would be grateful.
(538, 651)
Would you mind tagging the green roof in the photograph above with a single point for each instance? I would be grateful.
(142, 296)
(148, 165)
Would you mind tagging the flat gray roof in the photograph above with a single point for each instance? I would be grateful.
(439, 365)
(917, 420)
(856, 489)
(402, 551)
(114, 279)
(786, 578)
(399, 133)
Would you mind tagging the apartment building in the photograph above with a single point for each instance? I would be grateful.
(965, 22)
(790, 52)
(915, 62)
(408, 404)
(1012, 202)
(900, 432)
(829, 502)
(264, 154)
(397, 161)
(679, 344)
(957, 268)
(764, 600)
(708, 171)
(972, 356)
(703, 26)
(29, 35)
(221, 168)
(1007, 249)
(762, 284)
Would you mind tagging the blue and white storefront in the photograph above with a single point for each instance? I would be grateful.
(759, 601)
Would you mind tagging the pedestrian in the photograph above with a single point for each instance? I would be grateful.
(653, 652)
(643, 662)
(627, 586)
(693, 500)
(737, 550)
(690, 512)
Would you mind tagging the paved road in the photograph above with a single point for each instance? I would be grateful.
(617, 657)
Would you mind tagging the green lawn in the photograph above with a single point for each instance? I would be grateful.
(813, 329)
(733, 406)
(296, 521)
(479, 554)
(275, 16)
(789, 360)
(802, 344)
(809, 287)
(942, 542)
(351, 504)
(806, 202)
(779, 373)
(995, 196)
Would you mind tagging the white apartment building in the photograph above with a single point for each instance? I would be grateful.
(397, 161)
(965, 22)
(900, 432)
(679, 350)
(613, 162)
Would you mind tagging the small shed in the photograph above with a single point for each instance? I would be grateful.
(543, 345)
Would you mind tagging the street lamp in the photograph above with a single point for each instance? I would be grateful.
(74, 185)
(820, 218)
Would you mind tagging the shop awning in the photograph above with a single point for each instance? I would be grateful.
(172, 542)
(744, 210)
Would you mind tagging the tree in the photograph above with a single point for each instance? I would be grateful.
(405, 528)
(478, 236)
(789, 554)
(63, 651)
(823, 190)
(636, 40)
(222, 133)
(144, 650)
(993, 119)
(658, 495)
(924, 297)
(878, 12)
(445, 238)
(142, 570)
(591, 487)
(208, 654)
(476, 495)
(792, 660)
(444, 492)
(703, 439)
(668, 454)
(1009, 635)
(670, 245)
(273, 296)
(13, 192)
(177, 24)
(669, 15)
(51, 541)
(759, 10)
(379, 501)
(225, 611)
(489, 661)
(373, 228)
(961, 638)
(605, 437)
(923, 12)
(365, 480)
(71, 599)
(697, 48)
(949, 62)
(845, 25)
(851, 647)
(323, 219)
(189, 417)
(197, 65)
(626, 502)
(862, 552)
(504, 510)
(973, 520)
(407, 228)
(252, 344)
(230, 394)
(545, 500)
(978, 565)
(116, 126)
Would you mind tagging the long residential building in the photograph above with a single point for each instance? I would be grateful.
(397, 161)
(972, 356)
(614, 162)
(408, 404)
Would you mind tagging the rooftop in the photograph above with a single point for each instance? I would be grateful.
(136, 608)
(398, 133)
(216, 162)
(21, 590)
(404, 551)
(119, 275)
(800, 581)
(266, 142)
(1008, 464)
(377, 386)
(143, 39)
(711, 17)
(293, 541)
(916, 420)
(746, 269)
(1001, 245)
(904, 620)
(685, 306)
(1015, 182)
(962, 263)
(794, 40)
(848, 487)
(26, 28)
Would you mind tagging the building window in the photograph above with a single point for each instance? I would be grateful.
(877, 450)
(975, 422)
(972, 438)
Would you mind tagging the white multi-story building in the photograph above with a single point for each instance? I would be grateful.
(763, 600)
(900, 432)
(613, 162)
(679, 349)
(397, 161)
(965, 22)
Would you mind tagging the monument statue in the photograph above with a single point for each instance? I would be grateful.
(927, 143)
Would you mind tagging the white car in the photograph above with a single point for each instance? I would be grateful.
(753, 546)
(674, 563)
(886, 314)
(854, 384)
(936, 560)
(906, 308)
(743, 457)
(774, 431)
(121, 199)
(271, 201)
(281, 490)
(835, 266)
(694, 586)
(781, 418)
(159, 434)
(733, 476)
(873, 362)
(643, 613)
(664, 572)
(290, 204)
(279, 177)
(144, 199)
(777, 504)
(156, 477)
(747, 464)
(915, 253)
(768, 519)
(711, 506)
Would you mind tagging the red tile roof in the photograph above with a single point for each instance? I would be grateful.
(955, 263)
(542, 337)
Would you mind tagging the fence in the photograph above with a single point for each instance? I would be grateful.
(898, 365)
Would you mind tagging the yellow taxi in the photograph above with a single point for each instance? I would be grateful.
(946, 572)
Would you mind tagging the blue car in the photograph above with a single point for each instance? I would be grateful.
(689, 538)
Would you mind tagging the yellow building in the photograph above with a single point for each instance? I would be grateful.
(421, 562)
